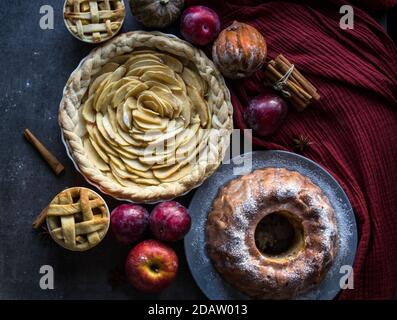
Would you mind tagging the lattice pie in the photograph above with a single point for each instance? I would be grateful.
(94, 21)
(77, 219)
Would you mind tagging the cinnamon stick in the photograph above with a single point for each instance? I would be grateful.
(284, 69)
(37, 223)
(284, 65)
(292, 86)
(281, 58)
(53, 162)
(299, 103)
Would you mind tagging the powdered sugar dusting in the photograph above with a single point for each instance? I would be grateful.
(237, 247)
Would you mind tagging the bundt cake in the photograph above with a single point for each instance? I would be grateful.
(272, 234)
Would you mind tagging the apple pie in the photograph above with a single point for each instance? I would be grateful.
(147, 117)
(77, 219)
(94, 21)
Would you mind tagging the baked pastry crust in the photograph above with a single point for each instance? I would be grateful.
(94, 21)
(212, 144)
(231, 225)
(77, 219)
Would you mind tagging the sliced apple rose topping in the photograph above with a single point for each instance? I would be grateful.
(146, 115)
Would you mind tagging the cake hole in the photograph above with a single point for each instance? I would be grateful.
(279, 234)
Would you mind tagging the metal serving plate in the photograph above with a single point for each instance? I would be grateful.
(208, 279)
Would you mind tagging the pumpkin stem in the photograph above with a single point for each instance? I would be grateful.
(164, 2)
(234, 26)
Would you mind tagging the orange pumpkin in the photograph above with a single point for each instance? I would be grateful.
(239, 51)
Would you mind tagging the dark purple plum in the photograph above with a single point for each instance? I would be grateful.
(200, 25)
(169, 221)
(128, 223)
(265, 113)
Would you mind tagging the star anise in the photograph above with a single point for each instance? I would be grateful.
(302, 143)
(44, 234)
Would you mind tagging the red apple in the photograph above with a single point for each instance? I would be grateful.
(265, 113)
(128, 222)
(200, 25)
(169, 221)
(151, 266)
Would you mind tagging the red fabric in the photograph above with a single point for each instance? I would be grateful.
(374, 5)
(353, 127)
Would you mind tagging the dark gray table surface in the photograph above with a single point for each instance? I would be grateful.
(35, 66)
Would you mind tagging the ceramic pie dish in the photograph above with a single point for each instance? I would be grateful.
(146, 117)
(94, 21)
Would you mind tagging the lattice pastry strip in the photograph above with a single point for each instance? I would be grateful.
(67, 222)
(77, 219)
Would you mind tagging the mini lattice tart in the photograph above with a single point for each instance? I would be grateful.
(77, 219)
(94, 21)
(146, 117)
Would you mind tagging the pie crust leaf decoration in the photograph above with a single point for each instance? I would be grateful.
(77, 219)
(147, 117)
(94, 21)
